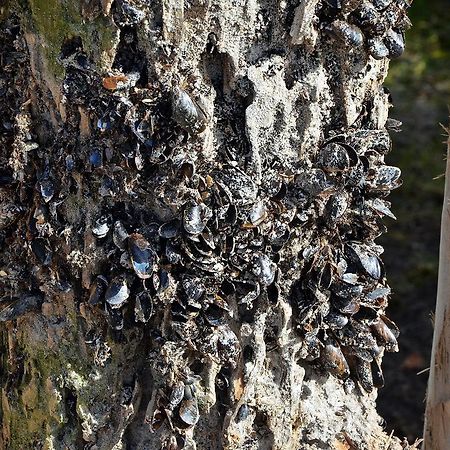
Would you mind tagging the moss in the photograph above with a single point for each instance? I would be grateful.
(31, 421)
(35, 411)
(57, 20)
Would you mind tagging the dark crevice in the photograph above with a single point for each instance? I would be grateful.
(129, 58)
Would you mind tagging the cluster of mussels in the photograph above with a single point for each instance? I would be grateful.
(190, 247)
(377, 24)
(342, 293)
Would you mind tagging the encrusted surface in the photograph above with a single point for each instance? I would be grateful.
(187, 243)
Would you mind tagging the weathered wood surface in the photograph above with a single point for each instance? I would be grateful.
(437, 415)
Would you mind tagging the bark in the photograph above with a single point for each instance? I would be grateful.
(437, 415)
(209, 116)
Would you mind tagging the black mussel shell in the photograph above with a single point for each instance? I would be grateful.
(143, 257)
(101, 227)
(120, 234)
(334, 158)
(187, 113)
(143, 307)
(395, 43)
(117, 293)
(333, 360)
(347, 33)
(195, 218)
(264, 269)
(97, 290)
(41, 248)
(189, 412)
(114, 317)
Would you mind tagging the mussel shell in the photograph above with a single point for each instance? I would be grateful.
(381, 207)
(189, 412)
(120, 234)
(365, 260)
(173, 253)
(313, 181)
(101, 227)
(257, 214)
(117, 293)
(143, 307)
(346, 290)
(336, 320)
(242, 413)
(346, 305)
(377, 48)
(114, 317)
(368, 17)
(97, 289)
(395, 43)
(170, 229)
(377, 374)
(334, 158)
(193, 287)
(243, 189)
(47, 189)
(381, 4)
(41, 248)
(176, 396)
(214, 315)
(333, 360)
(347, 33)
(364, 374)
(326, 276)
(312, 346)
(143, 257)
(387, 177)
(187, 113)
(336, 206)
(386, 334)
(163, 281)
(378, 293)
(195, 218)
(96, 158)
(127, 14)
(228, 346)
(264, 268)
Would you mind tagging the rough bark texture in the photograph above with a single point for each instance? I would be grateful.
(437, 415)
(93, 130)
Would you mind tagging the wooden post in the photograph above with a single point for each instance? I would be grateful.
(437, 415)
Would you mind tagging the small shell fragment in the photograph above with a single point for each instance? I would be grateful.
(120, 234)
(101, 227)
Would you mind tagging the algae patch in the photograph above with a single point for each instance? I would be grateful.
(56, 21)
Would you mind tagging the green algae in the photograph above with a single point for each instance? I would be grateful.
(56, 21)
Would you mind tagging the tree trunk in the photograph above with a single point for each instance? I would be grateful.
(437, 415)
(190, 196)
